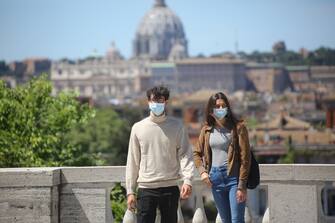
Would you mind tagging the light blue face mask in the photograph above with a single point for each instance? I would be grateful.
(157, 108)
(220, 113)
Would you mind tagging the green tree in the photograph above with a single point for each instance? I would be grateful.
(322, 56)
(107, 134)
(4, 69)
(34, 126)
(290, 155)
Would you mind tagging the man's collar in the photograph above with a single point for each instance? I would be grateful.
(157, 119)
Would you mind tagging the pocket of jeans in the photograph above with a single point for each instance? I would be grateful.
(215, 177)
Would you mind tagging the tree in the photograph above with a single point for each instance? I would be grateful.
(322, 56)
(4, 69)
(290, 155)
(279, 47)
(34, 126)
(107, 134)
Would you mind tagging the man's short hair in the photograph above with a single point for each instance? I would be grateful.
(158, 92)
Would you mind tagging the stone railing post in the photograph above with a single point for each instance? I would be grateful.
(129, 217)
(266, 217)
(294, 191)
(199, 214)
(29, 195)
(85, 194)
(180, 214)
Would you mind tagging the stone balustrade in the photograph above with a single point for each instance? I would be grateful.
(82, 195)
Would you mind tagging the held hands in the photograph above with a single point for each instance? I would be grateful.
(185, 191)
(241, 195)
(205, 178)
(131, 202)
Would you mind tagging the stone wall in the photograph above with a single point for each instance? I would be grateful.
(82, 194)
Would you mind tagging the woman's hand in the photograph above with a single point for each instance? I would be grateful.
(241, 195)
(205, 178)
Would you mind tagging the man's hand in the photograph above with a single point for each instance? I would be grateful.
(241, 196)
(131, 202)
(186, 191)
(205, 178)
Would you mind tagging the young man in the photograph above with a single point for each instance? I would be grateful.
(159, 151)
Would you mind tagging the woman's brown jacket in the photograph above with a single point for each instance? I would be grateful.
(238, 153)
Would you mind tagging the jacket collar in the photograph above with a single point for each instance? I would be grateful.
(208, 127)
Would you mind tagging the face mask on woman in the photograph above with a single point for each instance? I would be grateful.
(220, 113)
(157, 108)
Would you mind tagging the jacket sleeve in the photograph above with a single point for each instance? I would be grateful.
(185, 156)
(198, 153)
(245, 158)
(133, 163)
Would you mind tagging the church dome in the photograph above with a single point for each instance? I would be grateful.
(177, 52)
(113, 53)
(158, 32)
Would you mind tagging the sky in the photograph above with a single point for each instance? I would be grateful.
(77, 28)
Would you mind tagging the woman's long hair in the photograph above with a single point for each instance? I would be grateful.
(210, 120)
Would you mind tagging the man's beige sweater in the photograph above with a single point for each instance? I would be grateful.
(159, 154)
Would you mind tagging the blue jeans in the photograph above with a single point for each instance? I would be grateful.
(224, 190)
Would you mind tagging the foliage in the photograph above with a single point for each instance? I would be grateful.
(107, 134)
(34, 126)
(4, 69)
(252, 122)
(320, 56)
(289, 157)
(119, 202)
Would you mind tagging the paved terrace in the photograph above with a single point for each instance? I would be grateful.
(82, 194)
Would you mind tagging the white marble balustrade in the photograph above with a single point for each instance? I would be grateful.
(82, 195)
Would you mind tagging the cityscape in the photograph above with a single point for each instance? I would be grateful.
(286, 97)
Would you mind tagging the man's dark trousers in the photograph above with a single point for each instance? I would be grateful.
(164, 198)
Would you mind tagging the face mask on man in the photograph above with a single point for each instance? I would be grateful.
(220, 113)
(157, 108)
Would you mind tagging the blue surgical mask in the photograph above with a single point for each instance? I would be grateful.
(157, 108)
(220, 112)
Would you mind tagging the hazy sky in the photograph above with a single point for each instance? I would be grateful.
(74, 28)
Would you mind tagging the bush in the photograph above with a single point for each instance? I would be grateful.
(119, 202)
(34, 126)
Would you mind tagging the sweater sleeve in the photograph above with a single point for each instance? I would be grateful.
(133, 163)
(185, 156)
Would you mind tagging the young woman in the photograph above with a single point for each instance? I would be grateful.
(223, 158)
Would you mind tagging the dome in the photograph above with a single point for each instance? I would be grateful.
(113, 53)
(177, 52)
(157, 33)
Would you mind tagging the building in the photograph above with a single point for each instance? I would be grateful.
(319, 79)
(329, 107)
(210, 73)
(164, 73)
(101, 78)
(300, 78)
(271, 78)
(194, 74)
(160, 34)
(273, 139)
